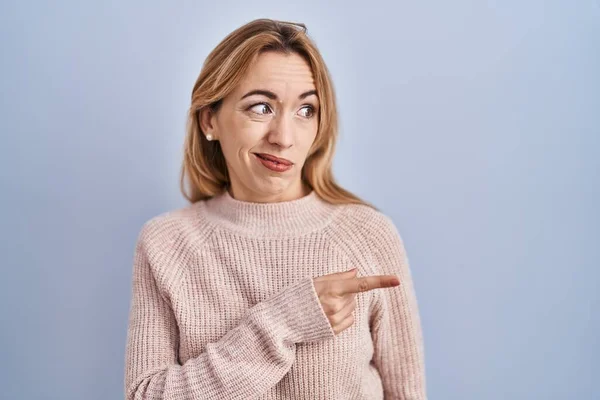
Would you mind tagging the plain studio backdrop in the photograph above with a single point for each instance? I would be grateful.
(475, 125)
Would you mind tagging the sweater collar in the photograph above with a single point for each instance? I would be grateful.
(276, 219)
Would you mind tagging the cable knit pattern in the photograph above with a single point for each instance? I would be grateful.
(223, 305)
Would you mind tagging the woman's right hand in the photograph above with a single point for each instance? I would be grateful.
(337, 294)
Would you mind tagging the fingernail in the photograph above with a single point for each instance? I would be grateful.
(395, 282)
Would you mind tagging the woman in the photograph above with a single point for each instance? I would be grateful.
(249, 292)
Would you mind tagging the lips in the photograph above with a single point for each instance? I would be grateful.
(273, 158)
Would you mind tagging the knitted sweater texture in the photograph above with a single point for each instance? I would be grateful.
(223, 305)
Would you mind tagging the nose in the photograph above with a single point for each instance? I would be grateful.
(281, 132)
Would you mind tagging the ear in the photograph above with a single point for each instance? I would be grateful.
(207, 119)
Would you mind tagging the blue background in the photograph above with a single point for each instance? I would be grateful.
(474, 124)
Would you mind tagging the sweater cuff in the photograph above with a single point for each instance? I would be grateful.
(296, 313)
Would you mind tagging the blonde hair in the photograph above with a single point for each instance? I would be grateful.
(204, 164)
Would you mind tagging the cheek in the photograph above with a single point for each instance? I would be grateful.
(249, 134)
(307, 136)
(240, 137)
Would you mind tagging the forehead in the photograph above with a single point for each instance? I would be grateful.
(279, 72)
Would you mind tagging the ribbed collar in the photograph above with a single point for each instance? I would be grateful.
(286, 218)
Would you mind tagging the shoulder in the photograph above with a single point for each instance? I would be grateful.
(169, 241)
(363, 232)
(174, 235)
(366, 224)
(369, 234)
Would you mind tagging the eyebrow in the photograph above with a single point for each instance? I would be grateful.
(273, 96)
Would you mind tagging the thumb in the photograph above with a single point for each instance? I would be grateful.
(347, 274)
(351, 273)
(341, 275)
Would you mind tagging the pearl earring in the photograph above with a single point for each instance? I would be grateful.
(209, 137)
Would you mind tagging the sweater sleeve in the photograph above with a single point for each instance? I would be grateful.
(243, 364)
(396, 329)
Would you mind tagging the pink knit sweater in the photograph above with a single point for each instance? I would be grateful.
(223, 305)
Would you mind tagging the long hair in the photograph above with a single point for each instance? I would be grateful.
(204, 165)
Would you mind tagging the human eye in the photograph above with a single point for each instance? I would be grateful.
(258, 107)
(310, 111)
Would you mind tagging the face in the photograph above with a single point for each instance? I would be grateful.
(273, 111)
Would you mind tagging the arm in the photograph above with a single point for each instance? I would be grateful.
(243, 364)
(396, 329)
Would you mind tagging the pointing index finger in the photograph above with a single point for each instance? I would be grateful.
(363, 284)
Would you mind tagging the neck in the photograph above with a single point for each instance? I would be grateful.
(292, 194)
